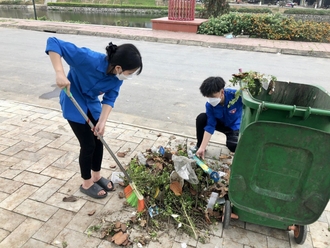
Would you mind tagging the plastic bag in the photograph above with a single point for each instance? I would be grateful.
(182, 166)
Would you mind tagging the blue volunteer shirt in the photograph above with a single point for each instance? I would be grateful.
(230, 117)
(88, 77)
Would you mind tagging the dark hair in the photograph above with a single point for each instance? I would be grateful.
(127, 56)
(212, 85)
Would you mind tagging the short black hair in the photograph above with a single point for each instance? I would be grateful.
(212, 85)
(127, 56)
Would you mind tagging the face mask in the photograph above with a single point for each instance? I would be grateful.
(214, 101)
(121, 76)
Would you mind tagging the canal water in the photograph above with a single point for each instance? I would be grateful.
(103, 18)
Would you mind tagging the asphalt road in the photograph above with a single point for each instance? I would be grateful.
(168, 88)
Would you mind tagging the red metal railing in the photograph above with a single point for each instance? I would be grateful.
(181, 10)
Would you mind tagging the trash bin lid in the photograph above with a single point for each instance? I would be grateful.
(281, 171)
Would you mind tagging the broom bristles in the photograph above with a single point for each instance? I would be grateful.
(128, 191)
(134, 197)
(132, 200)
(141, 205)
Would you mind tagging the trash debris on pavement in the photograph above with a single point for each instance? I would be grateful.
(153, 211)
(117, 177)
(183, 167)
(212, 200)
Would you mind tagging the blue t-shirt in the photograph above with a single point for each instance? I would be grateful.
(88, 77)
(230, 117)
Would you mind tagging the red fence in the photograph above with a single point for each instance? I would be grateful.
(181, 10)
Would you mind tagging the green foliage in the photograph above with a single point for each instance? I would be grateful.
(251, 10)
(252, 81)
(142, 2)
(95, 5)
(214, 8)
(19, 2)
(153, 181)
(267, 26)
(309, 11)
(43, 18)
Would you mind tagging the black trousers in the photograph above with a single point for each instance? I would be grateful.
(232, 136)
(91, 149)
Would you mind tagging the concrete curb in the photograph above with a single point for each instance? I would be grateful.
(70, 29)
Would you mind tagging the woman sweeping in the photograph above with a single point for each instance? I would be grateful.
(92, 74)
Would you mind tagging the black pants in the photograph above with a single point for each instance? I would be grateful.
(232, 136)
(91, 149)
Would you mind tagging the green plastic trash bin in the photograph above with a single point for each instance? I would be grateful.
(299, 104)
(280, 176)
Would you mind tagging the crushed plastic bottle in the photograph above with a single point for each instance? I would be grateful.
(154, 149)
(142, 158)
(212, 200)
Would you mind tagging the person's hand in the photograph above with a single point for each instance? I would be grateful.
(63, 82)
(200, 153)
(99, 129)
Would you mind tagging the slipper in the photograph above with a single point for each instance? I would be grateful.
(104, 184)
(93, 191)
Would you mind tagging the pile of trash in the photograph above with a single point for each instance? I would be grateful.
(180, 188)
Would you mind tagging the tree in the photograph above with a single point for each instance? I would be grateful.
(214, 8)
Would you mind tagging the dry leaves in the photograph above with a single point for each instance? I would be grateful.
(225, 156)
(121, 154)
(124, 153)
(176, 188)
(92, 212)
(70, 199)
(143, 223)
(121, 237)
(121, 195)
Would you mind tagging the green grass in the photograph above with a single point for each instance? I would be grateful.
(142, 2)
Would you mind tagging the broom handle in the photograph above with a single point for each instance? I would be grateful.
(100, 137)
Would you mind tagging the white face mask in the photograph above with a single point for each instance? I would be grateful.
(214, 101)
(121, 76)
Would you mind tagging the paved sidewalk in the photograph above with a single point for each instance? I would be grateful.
(39, 167)
(249, 44)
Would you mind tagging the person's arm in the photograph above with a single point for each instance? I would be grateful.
(100, 125)
(201, 150)
(61, 79)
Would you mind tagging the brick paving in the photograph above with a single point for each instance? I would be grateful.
(39, 165)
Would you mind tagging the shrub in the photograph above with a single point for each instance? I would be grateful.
(251, 10)
(267, 26)
(307, 11)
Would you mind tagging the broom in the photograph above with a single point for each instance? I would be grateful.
(133, 196)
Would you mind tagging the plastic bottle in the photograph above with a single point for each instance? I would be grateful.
(141, 158)
(212, 200)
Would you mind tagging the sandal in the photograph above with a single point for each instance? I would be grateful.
(104, 184)
(93, 191)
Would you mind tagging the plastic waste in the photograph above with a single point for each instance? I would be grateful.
(213, 174)
(213, 198)
(117, 177)
(221, 200)
(141, 158)
(153, 211)
(222, 174)
(160, 150)
(182, 166)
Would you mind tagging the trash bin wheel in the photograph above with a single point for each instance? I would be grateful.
(226, 214)
(300, 233)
